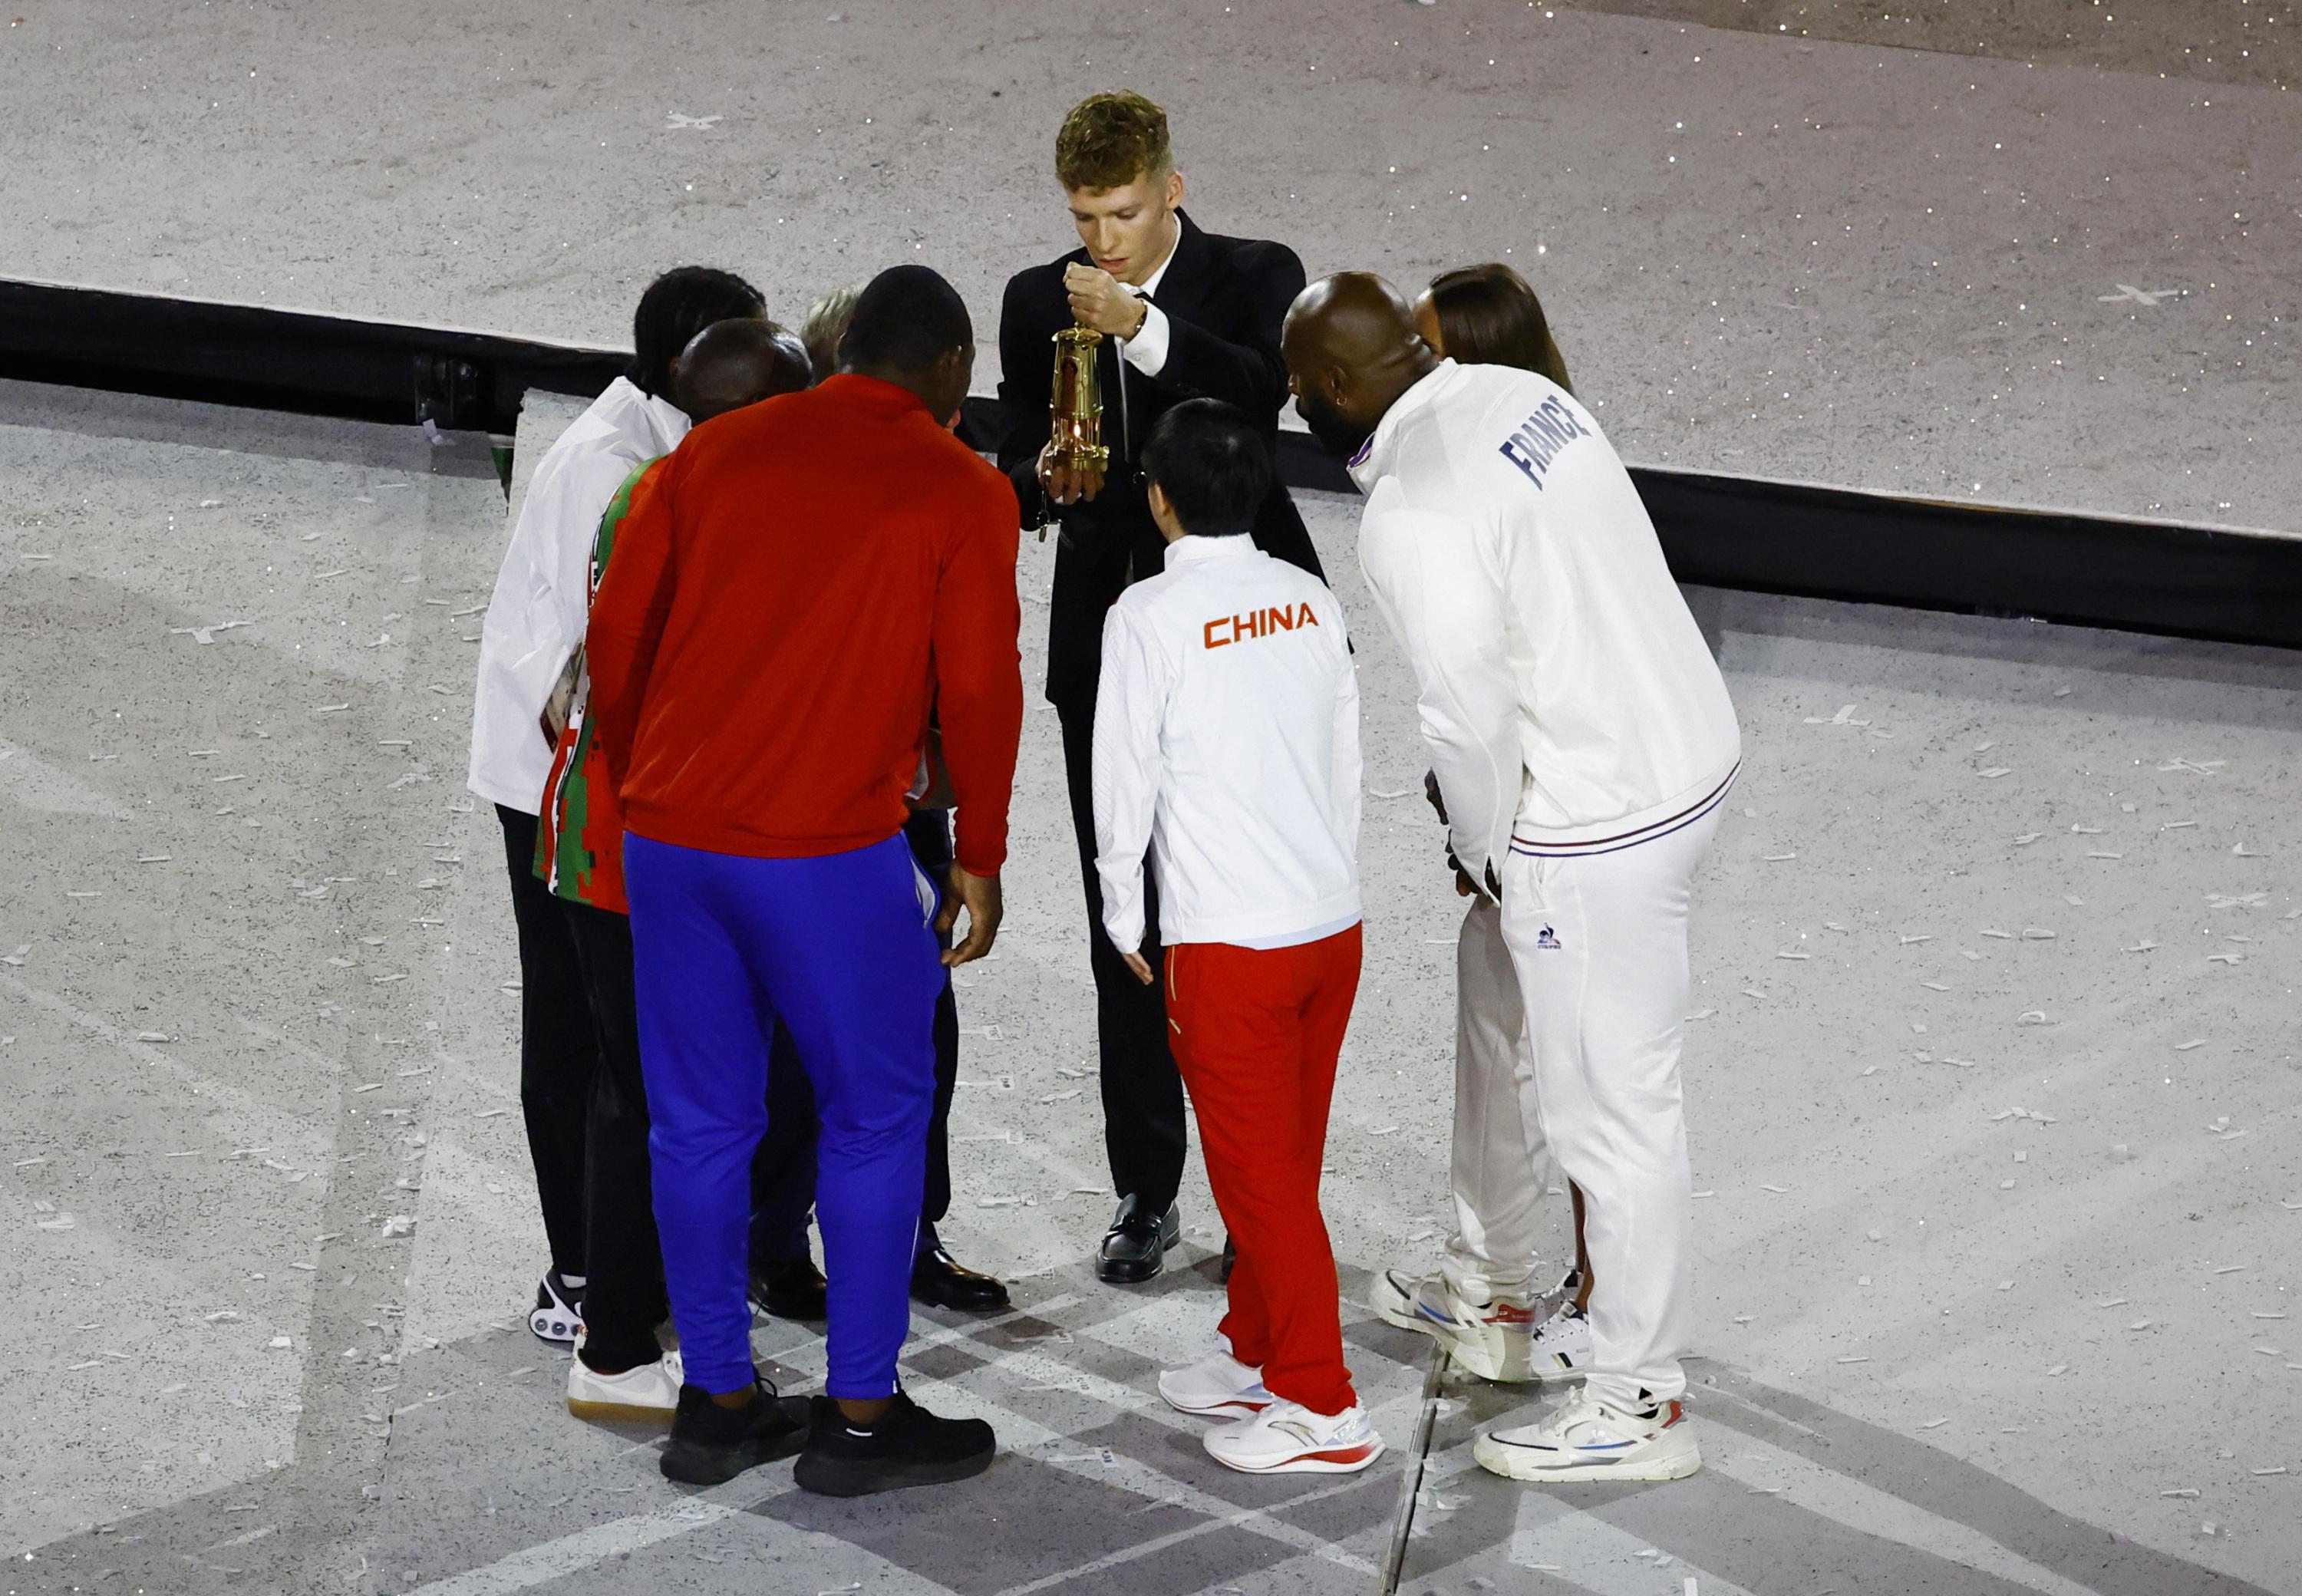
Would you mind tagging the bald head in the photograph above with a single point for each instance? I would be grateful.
(1351, 350)
(733, 364)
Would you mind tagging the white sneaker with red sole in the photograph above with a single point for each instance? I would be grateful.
(1218, 1383)
(1286, 1438)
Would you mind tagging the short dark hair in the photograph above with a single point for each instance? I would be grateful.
(1212, 466)
(675, 308)
(1489, 315)
(906, 319)
(1112, 139)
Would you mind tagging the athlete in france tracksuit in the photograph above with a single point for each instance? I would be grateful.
(1583, 740)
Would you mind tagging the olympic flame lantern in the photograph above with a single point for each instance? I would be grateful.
(1077, 412)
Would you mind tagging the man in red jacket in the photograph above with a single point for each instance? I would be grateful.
(811, 576)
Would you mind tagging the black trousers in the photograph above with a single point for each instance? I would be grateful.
(625, 1299)
(1142, 1090)
(558, 1049)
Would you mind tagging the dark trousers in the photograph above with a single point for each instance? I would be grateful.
(928, 832)
(624, 1299)
(559, 1051)
(1142, 1093)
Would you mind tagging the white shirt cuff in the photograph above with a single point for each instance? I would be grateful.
(1147, 351)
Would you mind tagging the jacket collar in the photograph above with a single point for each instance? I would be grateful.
(875, 391)
(1377, 455)
(1190, 550)
(655, 424)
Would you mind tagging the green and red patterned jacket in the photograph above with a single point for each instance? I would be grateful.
(579, 848)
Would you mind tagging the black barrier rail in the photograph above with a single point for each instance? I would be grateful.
(1717, 531)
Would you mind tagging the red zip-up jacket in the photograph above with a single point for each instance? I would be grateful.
(807, 579)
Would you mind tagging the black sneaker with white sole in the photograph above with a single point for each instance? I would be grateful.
(558, 1311)
(711, 1445)
(905, 1446)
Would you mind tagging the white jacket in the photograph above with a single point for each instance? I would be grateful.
(1570, 703)
(536, 617)
(1227, 738)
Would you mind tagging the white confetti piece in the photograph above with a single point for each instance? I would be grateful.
(1778, 1190)
(2184, 1491)
(1060, 1096)
(1387, 796)
(1856, 1358)
(2139, 1324)
(2111, 1303)
(1933, 1424)
(1912, 941)
(2037, 934)
(1934, 986)
(1703, 1013)
(1779, 858)
(1992, 931)
(2026, 838)
(399, 1224)
(1994, 773)
(2057, 1371)
(1782, 952)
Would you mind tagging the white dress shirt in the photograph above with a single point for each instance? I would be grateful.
(536, 617)
(1227, 740)
(1147, 351)
(1568, 699)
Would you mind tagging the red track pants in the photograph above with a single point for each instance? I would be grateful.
(1257, 1032)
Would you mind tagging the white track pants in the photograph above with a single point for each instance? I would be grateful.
(1501, 1168)
(1599, 943)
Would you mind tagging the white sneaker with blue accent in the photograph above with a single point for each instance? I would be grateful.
(1218, 1383)
(1589, 1437)
(1286, 1438)
(1489, 1338)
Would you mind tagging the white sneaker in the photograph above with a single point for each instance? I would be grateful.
(647, 1395)
(1286, 1438)
(1217, 1383)
(1590, 1438)
(1489, 1338)
(1559, 1348)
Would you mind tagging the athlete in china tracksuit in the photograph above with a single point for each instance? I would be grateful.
(1226, 739)
(1583, 738)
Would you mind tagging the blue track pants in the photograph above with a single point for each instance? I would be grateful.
(842, 949)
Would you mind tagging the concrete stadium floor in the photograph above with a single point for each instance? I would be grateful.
(1991, 1086)
(2025, 251)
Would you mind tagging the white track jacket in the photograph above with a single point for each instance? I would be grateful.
(1227, 739)
(536, 617)
(1569, 702)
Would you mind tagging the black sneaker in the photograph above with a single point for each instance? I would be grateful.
(711, 1445)
(906, 1446)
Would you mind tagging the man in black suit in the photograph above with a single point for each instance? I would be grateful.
(1185, 315)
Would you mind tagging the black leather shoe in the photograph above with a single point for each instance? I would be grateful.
(1135, 1248)
(905, 1446)
(711, 1445)
(792, 1290)
(941, 1283)
(1229, 1260)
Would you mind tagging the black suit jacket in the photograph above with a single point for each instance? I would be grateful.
(1224, 299)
